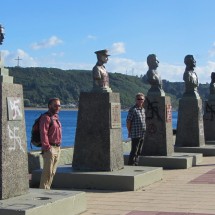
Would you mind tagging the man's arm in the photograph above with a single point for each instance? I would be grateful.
(44, 128)
(128, 125)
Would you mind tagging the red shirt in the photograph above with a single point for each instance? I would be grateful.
(50, 134)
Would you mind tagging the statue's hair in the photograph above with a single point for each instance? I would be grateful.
(188, 58)
(151, 58)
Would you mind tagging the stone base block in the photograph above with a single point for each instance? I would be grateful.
(45, 202)
(190, 126)
(98, 133)
(206, 150)
(175, 161)
(127, 179)
(210, 142)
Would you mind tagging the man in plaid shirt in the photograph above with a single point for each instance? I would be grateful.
(136, 127)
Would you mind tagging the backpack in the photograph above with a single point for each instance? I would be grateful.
(35, 131)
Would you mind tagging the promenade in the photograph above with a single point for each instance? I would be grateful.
(182, 191)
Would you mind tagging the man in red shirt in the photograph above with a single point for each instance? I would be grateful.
(51, 137)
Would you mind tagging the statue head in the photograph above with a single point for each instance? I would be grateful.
(102, 55)
(190, 61)
(152, 61)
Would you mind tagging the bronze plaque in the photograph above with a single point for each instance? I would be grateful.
(14, 106)
(115, 112)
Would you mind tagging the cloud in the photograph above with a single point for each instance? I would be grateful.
(204, 73)
(211, 52)
(10, 58)
(126, 66)
(117, 48)
(91, 37)
(170, 72)
(52, 41)
(59, 54)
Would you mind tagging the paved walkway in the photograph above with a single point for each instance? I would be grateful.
(187, 191)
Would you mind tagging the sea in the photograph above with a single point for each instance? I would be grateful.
(68, 120)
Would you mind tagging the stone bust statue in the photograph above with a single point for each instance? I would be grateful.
(212, 84)
(100, 74)
(211, 96)
(190, 77)
(1, 34)
(153, 77)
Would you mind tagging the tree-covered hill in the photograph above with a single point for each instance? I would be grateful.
(40, 84)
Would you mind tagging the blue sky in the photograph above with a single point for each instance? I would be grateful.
(65, 34)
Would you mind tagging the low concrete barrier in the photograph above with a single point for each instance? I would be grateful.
(35, 160)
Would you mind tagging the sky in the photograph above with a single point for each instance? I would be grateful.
(65, 34)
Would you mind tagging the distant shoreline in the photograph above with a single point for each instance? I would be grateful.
(62, 109)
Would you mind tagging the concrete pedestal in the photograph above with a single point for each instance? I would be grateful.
(158, 139)
(45, 202)
(129, 178)
(13, 153)
(209, 120)
(206, 150)
(98, 140)
(174, 161)
(190, 129)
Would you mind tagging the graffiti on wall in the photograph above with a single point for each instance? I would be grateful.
(210, 112)
(14, 105)
(15, 139)
(152, 110)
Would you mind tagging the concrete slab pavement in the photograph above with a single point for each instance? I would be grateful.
(182, 191)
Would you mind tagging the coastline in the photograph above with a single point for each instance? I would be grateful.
(41, 108)
(62, 109)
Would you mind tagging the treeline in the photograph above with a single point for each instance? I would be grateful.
(40, 84)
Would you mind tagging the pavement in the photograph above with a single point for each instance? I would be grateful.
(181, 191)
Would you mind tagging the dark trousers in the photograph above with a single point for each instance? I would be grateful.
(136, 149)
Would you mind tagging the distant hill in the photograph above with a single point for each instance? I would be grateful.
(40, 84)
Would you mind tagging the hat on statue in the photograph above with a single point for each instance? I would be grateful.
(102, 52)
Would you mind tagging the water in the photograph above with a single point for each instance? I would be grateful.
(68, 120)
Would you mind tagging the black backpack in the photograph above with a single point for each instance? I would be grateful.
(35, 131)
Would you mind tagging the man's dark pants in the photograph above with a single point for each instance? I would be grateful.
(136, 149)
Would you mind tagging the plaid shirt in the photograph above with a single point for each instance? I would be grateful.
(137, 118)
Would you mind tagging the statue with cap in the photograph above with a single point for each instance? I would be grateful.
(100, 74)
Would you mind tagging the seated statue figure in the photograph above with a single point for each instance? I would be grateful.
(190, 77)
(153, 77)
(100, 74)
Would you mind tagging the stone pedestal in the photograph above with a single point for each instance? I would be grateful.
(190, 129)
(98, 140)
(14, 179)
(158, 139)
(209, 120)
(130, 178)
(43, 202)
